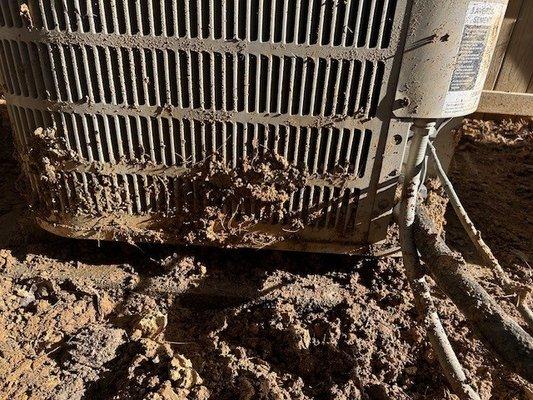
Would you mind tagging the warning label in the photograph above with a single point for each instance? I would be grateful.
(470, 57)
(477, 44)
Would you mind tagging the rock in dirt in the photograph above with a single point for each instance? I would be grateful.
(150, 325)
(86, 359)
(25, 297)
(166, 393)
(183, 374)
(94, 346)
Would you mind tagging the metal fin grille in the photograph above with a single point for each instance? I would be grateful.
(170, 82)
(188, 79)
(330, 22)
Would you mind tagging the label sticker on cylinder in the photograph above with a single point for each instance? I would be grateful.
(478, 41)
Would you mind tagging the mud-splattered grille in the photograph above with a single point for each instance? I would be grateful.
(169, 83)
(357, 23)
(186, 142)
(232, 82)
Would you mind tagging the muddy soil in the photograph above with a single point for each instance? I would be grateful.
(87, 320)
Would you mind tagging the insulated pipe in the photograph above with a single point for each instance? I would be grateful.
(500, 333)
(422, 130)
(483, 249)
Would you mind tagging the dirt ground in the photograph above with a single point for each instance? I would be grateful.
(87, 320)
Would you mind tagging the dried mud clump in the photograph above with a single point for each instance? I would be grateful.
(218, 203)
(435, 204)
(46, 152)
(506, 132)
(230, 201)
(25, 15)
(42, 159)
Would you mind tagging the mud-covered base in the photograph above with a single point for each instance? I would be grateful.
(83, 320)
(260, 200)
(130, 229)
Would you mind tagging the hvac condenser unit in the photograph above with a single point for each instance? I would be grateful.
(263, 123)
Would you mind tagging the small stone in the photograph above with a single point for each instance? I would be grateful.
(94, 346)
(25, 297)
(154, 350)
(200, 393)
(150, 325)
(302, 336)
(183, 374)
(168, 393)
(105, 304)
(26, 16)
(42, 306)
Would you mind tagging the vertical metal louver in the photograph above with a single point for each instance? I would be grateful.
(138, 93)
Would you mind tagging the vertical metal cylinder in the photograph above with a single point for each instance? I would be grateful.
(447, 56)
